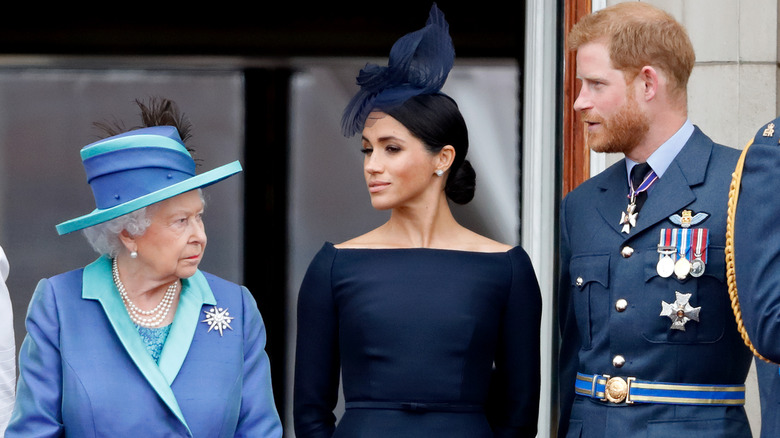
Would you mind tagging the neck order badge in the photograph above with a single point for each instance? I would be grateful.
(640, 182)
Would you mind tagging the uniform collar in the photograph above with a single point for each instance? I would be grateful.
(660, 160)
(670, 194)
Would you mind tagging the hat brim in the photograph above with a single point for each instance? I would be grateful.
(99, 216)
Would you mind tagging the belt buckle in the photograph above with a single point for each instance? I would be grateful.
(618, 389)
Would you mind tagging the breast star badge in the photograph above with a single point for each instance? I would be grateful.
(218, 319)
(681, 311)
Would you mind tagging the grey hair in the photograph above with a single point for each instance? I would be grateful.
(104, 237)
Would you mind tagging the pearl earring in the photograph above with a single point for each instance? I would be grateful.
(133, 254)
(439, 172)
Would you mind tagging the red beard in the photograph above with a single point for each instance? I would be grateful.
(619, 134)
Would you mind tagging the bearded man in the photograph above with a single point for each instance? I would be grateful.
(649, 342)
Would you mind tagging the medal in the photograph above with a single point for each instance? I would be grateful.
(700, 244)
(697, 268)
(682, 267)
(628, 218)
(681, 311)
(665, 266)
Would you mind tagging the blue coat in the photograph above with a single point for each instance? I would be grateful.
(85, 372)
(757, 264)
(611, 301)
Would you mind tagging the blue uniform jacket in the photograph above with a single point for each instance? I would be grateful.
(601, 265)
(756, 248)
(85, 372)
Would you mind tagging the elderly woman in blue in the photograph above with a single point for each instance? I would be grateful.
(140, 342)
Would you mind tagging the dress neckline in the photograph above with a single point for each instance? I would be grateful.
(421, 249)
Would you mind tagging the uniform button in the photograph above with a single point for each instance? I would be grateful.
(579, 281)
(627, 252)
(621, 305)
(618, 361)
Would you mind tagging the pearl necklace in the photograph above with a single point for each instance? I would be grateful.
(145, 318)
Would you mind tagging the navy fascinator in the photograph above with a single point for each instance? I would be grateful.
(419, 63)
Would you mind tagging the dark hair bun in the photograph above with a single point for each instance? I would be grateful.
(461, 184)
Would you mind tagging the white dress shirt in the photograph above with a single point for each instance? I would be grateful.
(7, 348)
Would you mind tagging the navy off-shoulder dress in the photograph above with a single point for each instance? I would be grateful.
(430, 343)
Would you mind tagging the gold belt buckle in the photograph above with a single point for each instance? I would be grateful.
(617, 389)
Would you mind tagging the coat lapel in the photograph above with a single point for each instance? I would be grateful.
(99, 285)
(194, 295)
(613, 195)
(674, 191)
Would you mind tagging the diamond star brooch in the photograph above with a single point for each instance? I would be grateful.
(218, 319)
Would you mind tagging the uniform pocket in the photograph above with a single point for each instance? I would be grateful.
(708, 293)
(589, 279)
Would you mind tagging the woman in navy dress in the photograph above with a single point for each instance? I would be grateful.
(433, 328)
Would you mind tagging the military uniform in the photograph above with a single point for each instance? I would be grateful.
(756, 262)
(649, 348)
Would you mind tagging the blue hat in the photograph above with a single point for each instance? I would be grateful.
(138, 168)
(419, 63)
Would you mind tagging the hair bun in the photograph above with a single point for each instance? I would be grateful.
(461, 184)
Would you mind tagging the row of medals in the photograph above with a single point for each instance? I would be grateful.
(681, 267)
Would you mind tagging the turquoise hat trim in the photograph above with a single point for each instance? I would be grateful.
(129, 141)
(102, 215)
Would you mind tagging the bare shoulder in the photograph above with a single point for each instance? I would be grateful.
(372, 239)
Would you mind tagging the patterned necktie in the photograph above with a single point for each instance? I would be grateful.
(638, 175)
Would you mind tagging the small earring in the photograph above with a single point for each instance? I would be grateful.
(133, 254)
(439, 172)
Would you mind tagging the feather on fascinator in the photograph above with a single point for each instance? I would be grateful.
(419, 63)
